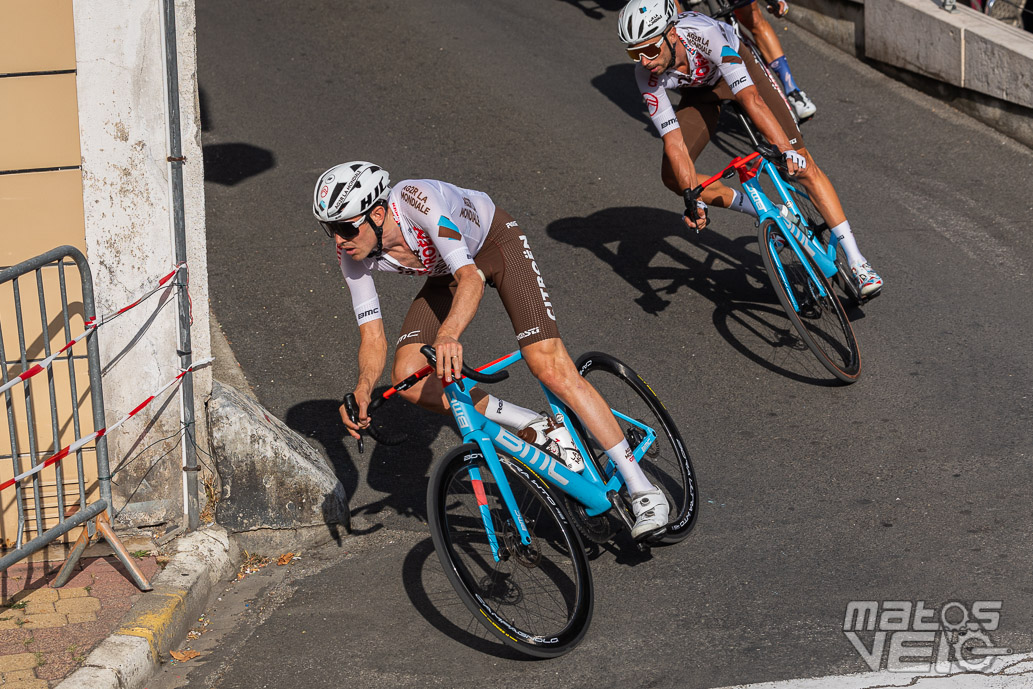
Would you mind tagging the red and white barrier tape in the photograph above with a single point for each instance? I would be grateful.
(91, 324)
(80, 443)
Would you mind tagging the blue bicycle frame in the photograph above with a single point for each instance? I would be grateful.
(800, 237)
(590, 488)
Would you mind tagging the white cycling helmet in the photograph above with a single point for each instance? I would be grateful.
(348, 190)
(641, 20)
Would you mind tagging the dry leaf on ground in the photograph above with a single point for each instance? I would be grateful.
(184, 655)
(285, 559)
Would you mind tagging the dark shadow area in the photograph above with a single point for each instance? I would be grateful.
(206, 117)
(618, 84)
(730, 274)
(399, 471)
(230, 164)
(731, 137)
(318, 420)
(434, 598)
(622, 547)
(594, 9)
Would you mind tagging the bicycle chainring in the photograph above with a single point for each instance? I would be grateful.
(600, 529)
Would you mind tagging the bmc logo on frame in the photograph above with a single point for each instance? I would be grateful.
(906, 636)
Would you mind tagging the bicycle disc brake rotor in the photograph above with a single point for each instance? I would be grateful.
(524, 555)
(636, 435)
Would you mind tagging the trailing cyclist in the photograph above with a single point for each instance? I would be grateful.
(771, 49)
(460, 241)
(772, 52)
(699, 57)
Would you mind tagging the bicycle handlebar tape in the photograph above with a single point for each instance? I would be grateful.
(428, 352)
(352, 407)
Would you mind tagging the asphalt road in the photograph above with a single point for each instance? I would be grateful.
(913, 484)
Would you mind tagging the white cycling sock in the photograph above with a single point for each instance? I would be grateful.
(846, 239)
(741, 205)
(629, 468)
(508, 414)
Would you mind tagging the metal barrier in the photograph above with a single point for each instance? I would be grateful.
(74, 512)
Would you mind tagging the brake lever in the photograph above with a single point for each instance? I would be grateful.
(691, 196)
(351, 406)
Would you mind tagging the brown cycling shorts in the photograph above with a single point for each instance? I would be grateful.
(700, 108)
(508, 266)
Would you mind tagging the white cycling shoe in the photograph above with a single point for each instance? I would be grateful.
(651, 512)
(869, 282)
(802, 105)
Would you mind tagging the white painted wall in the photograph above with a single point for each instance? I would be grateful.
(129, 238)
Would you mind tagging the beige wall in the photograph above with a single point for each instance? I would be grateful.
(41, 207)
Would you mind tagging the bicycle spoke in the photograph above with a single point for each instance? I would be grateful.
(537, 588)
(811, 305)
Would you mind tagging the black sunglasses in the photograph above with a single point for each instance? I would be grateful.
(342, 228)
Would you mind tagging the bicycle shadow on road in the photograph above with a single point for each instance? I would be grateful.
(652, 251)
(432, 595)
(395, 476)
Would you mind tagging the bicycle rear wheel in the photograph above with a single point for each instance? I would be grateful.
(537, 598)
(666, 463)
(821, 321)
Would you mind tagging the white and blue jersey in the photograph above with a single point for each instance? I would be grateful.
(443, 225)
(712, 48)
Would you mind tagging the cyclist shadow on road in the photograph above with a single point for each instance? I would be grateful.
(594, 9)
(653, 251)
(618, 84)
(395, 476)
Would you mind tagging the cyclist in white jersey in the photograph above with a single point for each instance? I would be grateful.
(699, 57)
(460, 241)
(771, 49)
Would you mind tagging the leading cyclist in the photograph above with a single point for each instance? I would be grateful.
(699, 57)
(460, 240)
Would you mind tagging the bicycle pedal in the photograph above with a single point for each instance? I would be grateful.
(651, 538)
(865, 300)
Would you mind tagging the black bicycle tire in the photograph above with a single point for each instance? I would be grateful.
(852, 370)
(685, 507)
(475, 597)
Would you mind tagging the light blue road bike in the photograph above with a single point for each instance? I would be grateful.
(800, 259)
(507, 517)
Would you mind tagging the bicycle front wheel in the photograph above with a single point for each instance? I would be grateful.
(844, 279)
(666, 463)
(820, 320)
(535, 598)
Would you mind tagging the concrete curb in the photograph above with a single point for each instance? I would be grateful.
(972, 62)
(160, 619)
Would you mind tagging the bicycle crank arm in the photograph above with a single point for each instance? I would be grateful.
(622, 512)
